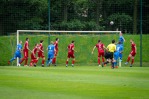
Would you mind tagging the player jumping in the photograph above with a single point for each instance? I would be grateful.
(17, 53)
(71, 53)
(132, 53)
(100, 48)
(121, 40)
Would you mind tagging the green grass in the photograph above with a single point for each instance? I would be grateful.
(79, 82)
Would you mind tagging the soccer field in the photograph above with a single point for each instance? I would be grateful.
(79, 82)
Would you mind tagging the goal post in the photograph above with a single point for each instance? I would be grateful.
(97, 34)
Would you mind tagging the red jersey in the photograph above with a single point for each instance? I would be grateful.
(35, 50)
(56, 45)
(100, 47)
(40, 48)
(133, 45)
(71, 47)
(26, 45)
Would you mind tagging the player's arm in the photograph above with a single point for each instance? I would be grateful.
(93, 49)
(28, 48)
(41, 50)
(123, 39)
(135, 49)
(74, 49)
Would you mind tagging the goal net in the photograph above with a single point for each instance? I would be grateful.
(84, 43)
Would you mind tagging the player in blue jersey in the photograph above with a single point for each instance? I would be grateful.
(121, 40)
(17, 54)
(51, 52)
(119, 50)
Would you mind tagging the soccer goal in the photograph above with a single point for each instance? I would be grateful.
(84, 42)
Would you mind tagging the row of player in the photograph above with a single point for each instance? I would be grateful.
(112, 53)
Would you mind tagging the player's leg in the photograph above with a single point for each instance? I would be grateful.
(51, 56)
(116, 56)
(107, 56)
(23, 57)
(68, 57)
(128, 59)
(54, 59)
(132, 59)
(26, 58)
(99, 61)
(43, 61)
(103, 58)
(15, 56)
(73, 61)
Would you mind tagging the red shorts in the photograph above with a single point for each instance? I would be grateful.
(40, 54)
(25, 52)
(32, 56)
(71, 54)
(133, 53)
(100, 54)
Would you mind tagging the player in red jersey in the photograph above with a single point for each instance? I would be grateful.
(56, 52)
(132, 53)
(41, 53)
(25, 52)
(100, 47)
(71, 53)
(33, 55)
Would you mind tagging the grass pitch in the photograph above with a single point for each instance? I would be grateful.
(79, 82)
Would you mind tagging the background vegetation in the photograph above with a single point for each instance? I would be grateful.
(73, 15)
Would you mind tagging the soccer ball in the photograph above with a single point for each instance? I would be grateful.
(111, 22)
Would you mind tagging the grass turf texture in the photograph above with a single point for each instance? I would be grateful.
(79, 82)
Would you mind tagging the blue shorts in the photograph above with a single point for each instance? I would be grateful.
(116, 55)
(50, 55)
(17, 54)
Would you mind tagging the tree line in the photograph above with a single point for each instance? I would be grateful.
(73, 15)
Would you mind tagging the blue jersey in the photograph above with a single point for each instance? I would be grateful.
(19, 48)
(119, 48)
(121, 39)
(51, 49)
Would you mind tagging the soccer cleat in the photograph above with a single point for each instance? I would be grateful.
(102, 64)
(8, 62)
(42, 65)
(72, 65)
(99, 65)
(126, 63)
(34, 65)
(116, 66)
(66, 65)
(18, 64)
(131, 65)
